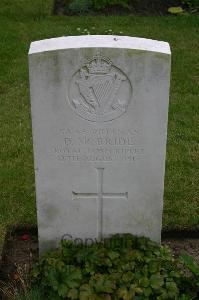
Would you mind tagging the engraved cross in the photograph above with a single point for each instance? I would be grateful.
(100, 196)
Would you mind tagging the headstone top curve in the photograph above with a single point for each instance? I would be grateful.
(99, 41)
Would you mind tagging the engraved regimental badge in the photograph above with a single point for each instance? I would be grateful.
(99, 91)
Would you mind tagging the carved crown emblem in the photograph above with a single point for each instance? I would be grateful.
(99, 91)
(99, 65)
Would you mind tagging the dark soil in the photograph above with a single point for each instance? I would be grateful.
(144, 7)
(20, 252)
(178, 245)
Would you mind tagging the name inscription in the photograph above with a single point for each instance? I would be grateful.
(93, 145)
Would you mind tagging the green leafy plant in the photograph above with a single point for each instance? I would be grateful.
(186, 5)
(190, 264)
(122, 267)
(80, 6)
(33, 294)
(102, 4)
(192, 5)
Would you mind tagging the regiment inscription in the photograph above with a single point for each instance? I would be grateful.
(112, 144)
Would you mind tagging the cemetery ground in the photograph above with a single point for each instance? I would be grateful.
(19, 25)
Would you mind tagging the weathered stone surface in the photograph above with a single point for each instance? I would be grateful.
(99, 112)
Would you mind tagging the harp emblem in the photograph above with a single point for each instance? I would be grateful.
(99, 91)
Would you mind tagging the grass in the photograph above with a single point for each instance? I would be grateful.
(22, 21)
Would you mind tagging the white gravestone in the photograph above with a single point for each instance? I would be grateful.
(99, 113)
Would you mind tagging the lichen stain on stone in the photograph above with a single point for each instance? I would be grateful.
(88, 53)
(162, 56)
(48, 245)
(50, 212)
(135, 52)
(56, 68)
